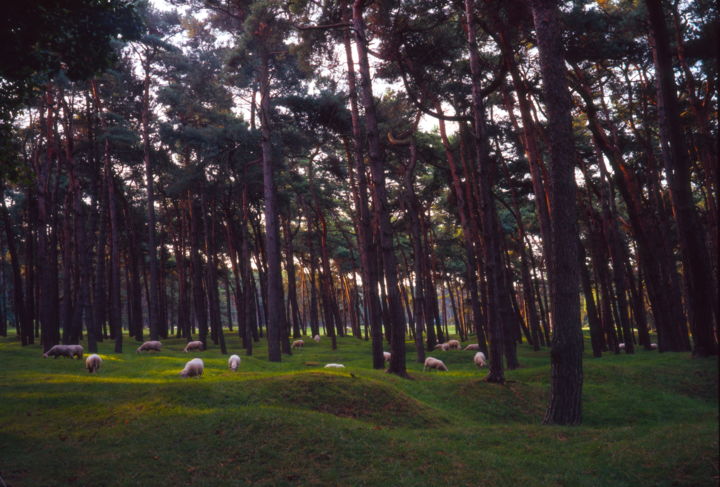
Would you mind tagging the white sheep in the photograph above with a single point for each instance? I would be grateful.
(298, 344)
(234, 362)
(433, 363)
(76, 350)
(69, 351)
(316, 338)
(443, 346)
(654, 346)
(480, 359)
(454, 345)
(58, 351)
(386, 356)
(194, 368)
(472, 346)
(148, 346)
(621, 346)
(93, 362)
(196, 345)
(334, 366)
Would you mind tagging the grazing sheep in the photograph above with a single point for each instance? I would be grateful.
(58, 351)
(76, 350)
(443, 346)
(196, 345)
(473, 346)
(298, 344)
(148, 346)
(433, 363)
(234, 362)
(194, 368)
(69, 351)
(93, 362)
(386, 356)
(654, 346)
(621, 346)
(454, 345)
(479, 359)
(316, 338)
(334, 366)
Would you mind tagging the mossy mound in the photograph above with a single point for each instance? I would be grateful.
(344, 396)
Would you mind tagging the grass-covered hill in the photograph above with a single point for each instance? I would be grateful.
(649, 419)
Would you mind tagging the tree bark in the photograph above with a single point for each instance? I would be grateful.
(488, 213)
(153, 294)
(380, 203)
(566, 352)
(699, 281)
(368, 255)
(275, 316)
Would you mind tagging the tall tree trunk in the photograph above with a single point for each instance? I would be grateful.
(326, 282)
(198, 283)
(530, 143)
(246, 272)
(596, 338)
(566, 352)
(108, 175)
(657, 263)
(413, 208)
(211, 275)
(464, 212)
(488, 213)
(275, 314)
(153, 295)
(134, 300)
(617, 255)
(377, 163)
(292, 285)
(43, 168)
(702, 297)
(183, 303)
(21, 318)
(368, 254)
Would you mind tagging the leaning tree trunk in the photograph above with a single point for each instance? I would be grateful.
(566, 353)
(702, 298)
(380, 201)
(488, 213)
(368, 259)
(465, 214)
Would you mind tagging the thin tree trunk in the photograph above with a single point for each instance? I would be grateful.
(153, 295)
(275, 315)
(368, 256)
(108, 173)
(488, 213)
(700, 284)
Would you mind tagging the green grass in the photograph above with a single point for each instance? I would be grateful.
(649, 419)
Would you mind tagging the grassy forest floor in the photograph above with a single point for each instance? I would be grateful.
(649, 419)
